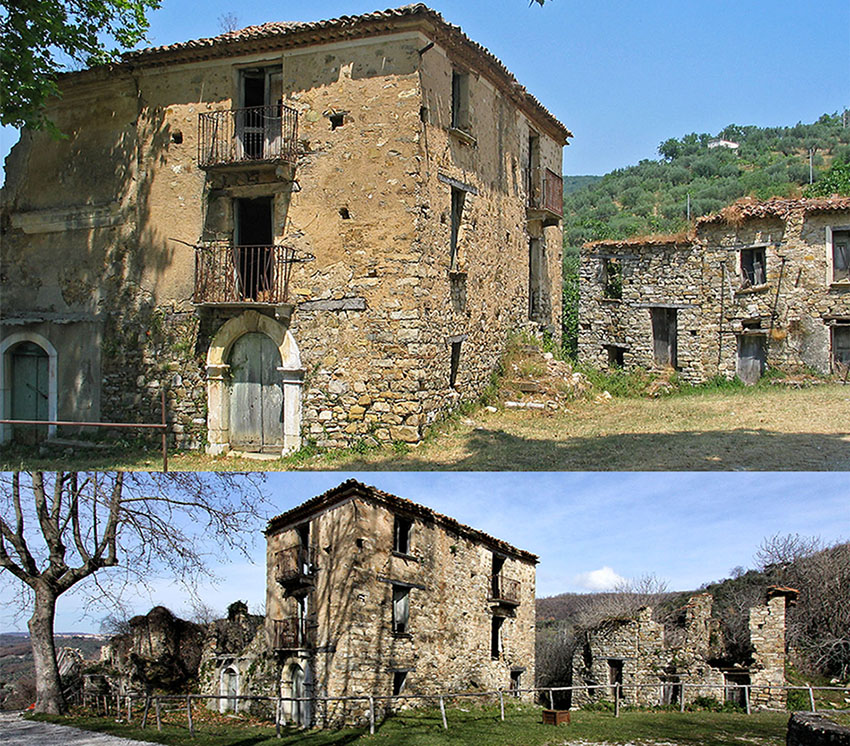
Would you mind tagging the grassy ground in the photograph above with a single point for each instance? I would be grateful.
(763, 428)
(481, 726)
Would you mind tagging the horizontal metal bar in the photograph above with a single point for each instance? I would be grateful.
(157, 426)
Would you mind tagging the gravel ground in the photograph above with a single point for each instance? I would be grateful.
(14, 730)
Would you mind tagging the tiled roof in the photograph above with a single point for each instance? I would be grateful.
(777, 207)
(276, 34)
(351, 487)
(672, 239)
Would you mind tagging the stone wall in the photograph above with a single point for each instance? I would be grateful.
(805, 729)
(791, 313)
(447, 646)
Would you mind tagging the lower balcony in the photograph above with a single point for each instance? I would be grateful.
(545, 196)
(229, 274)
(294, 633)
(505, 591)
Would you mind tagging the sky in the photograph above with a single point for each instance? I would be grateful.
(622, 76)
(589, 529)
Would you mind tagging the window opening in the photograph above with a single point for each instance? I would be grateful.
(496, 637)
(496, 565)
(401, 535)
(399, 680)
(337, 119)
(253, 239)
(455, 363)
(460, 100)
(664, 332)
(344, 213)
(533, 184)
(841, 256)
(401, 609)
(616, 356)
(514, 686)
(735, 691)
(612, 278)
(753, 267)
(671, 691)
(458, 198)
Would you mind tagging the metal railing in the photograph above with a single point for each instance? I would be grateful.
(255, 133)
(505, 589)
(225, 273)
(294, 633)
(293, 563)
(545, 190)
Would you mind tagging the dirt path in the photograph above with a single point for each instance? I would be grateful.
(15, 731)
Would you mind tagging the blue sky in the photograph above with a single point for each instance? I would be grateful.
(687, 529)
(623, 76)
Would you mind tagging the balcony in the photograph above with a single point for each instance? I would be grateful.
(294, 633)
(254, 135)
(545, 196)
(235, 275)
(295, 567)
(504, 591)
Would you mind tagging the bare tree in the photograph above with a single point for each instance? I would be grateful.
(622, 602)
(58, 530)
(228, 22)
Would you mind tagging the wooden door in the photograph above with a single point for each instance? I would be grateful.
(664, 333)
(256, 394)
(29, 395)
(751, 357)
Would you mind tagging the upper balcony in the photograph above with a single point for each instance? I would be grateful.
(251, 136)
(505, 591)
(295, 567)
(236, 275)
(294, 633)
(545, 196)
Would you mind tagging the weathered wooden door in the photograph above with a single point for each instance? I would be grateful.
(300, 708)
(256, 394)
(751, 357)
(29, 395)
(231, 690)
(664, 333)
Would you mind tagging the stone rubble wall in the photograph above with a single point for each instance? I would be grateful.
(808, 729)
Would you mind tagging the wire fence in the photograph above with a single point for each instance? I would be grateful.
(204, 711)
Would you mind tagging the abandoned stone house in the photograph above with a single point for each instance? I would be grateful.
(639, 650)
(371, 594)
(321, 230)
(758, 284)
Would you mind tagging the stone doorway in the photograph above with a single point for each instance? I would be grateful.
(256, 394)
(28, 385)
(751, 357)
(664, 336)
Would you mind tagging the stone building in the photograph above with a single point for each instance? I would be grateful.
(369, 594)
(321, 230)
(758, 284)
(642, 651)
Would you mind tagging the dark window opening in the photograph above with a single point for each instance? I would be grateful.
(303, 532)
(455, 363)
(736, 684)
(458, 198)
(496, 566)
(460, 101)
(401, 609)
(533, 185)
(401, 535)
(496, 637)
(753, 267)
(423, 113)
(337, 119)
(841, 256)
(399, 680)
(344, 213)
(664, 337)
(612, 279)
(514, 686)
(841, 349)
(253, 236)
(177, 137)
(615, 356)
(457, 290)
(259, 120)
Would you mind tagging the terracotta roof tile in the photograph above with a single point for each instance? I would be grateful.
(778, 207)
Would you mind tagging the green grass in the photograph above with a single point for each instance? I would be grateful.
(481, 726)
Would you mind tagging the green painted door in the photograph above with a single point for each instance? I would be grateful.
(256, 394)
(29, 399)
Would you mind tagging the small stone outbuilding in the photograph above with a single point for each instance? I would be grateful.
(759, 284)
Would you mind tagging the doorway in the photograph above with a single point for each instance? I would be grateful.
(253, 239)
(664, 333)
(256, 394)
(751, 357)
(29, 400)
(259, 122)
(230, 690)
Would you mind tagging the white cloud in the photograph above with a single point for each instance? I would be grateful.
(603, 579)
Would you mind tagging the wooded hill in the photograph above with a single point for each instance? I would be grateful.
(652, 197)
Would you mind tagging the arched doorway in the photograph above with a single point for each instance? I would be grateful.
(229, 689)
(256, 394)
(28, 384)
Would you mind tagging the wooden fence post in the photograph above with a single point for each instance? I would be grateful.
(551, 700)
(443, 713)
(747, 697)
(129, 709)
(502, 703)
(682, 698)
(372, 715)
(145, 714)
(158, 715)
(189, 715)
(812, 698)
(277, 709)
(617, 700)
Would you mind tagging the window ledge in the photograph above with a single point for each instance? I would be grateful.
(611, 300)
(402, 635)
(839, 285)
(457, 273)
(753, 289)
(463, 136)
(410, 557)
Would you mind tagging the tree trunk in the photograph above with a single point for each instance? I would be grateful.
(48, 687)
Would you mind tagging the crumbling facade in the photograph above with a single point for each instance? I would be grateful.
(759, 284)
(369, 594)
(297, 230)
(652, 663)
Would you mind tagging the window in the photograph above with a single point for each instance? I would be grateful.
(399, 680)
(753, 267)
(460, 101)
(401, 535)
(612, 278)
(496, 637)
(838, 244)
(401, 609)
(841, 349)
(458, 197)
(455, 363)
(616, 356)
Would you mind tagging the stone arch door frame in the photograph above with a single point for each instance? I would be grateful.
(224, 680)
(218, 379)
(6, 384)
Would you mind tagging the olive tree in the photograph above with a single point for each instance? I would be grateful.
(59, 530)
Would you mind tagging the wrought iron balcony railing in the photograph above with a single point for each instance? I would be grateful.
(545, 191)
(294, 633)
(295, 563)
(225, 273)
(505, 590)
(255, 133)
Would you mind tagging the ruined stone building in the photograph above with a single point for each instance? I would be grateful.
(759, 284)
(371, 594)
(321, 230)
(640, 650)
